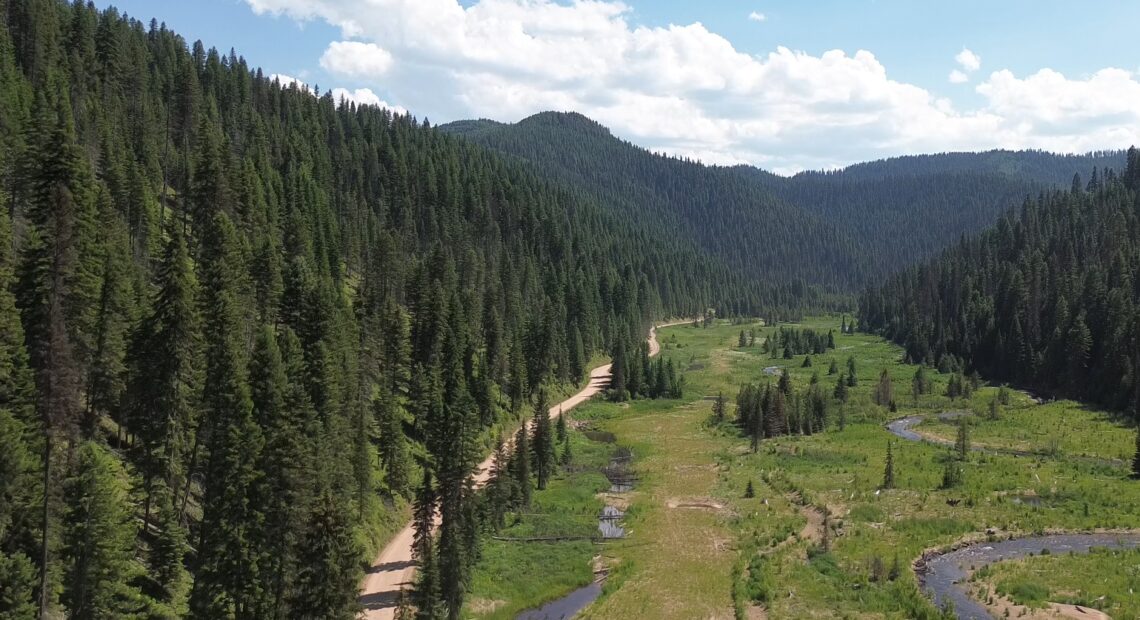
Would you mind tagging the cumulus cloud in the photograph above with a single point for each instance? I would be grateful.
(968, 60)
(957, 77)
(685, 90)
(364, 96)
(356, 59)
(757, 16)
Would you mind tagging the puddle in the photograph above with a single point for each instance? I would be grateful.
(609, 523)
(565, 607)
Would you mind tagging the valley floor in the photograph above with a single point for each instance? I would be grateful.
(819, 538)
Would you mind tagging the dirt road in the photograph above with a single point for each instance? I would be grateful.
(394, 569)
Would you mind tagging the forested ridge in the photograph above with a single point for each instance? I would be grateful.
(1047, 298)
(831, 231)
(725, 213)
(239, 323)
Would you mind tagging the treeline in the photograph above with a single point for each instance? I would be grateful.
(239, 321)
(764, 411)
(799, 342)
(1047, 299)
(635, 375)
(815, 236)
(714, 211)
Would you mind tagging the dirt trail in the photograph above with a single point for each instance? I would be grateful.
(393, 569)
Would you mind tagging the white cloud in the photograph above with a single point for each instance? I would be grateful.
(957, 77)
(757, 16)
(364, 96)
(356, 59)
(685, 90)
(288, 80)
(968, 60)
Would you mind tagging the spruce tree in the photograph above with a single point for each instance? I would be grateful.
(425, 594)
(542, 443)
(520, 468)
(962, 440)
(328, 574)
(162, 391)
(226, 577)
(393, 446)
(99, 536)
(889, 470)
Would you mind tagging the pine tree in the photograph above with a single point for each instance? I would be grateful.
(720, 408)
(98, 539)
(560, 432)
(162, 391)
(542, 443)
(328, 571)
(425, 594)
(567, 456)
(226, 578)
(889, 470)
(852, 378)
(962, 440)
(520, 468)
(742, 341)
(393, 446)
(1136, 458)
(833, 368)
(884, 395)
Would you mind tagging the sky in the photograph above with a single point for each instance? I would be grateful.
(783, 85)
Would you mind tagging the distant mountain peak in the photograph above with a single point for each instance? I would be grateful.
(566, 120)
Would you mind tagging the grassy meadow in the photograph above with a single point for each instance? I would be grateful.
(819, 538)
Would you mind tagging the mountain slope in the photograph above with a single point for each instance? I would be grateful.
(836, 229)
(725, 213)
(1047, 298)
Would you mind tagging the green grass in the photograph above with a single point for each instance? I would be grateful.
(1108, 580)
(514, 576)
(700, 563)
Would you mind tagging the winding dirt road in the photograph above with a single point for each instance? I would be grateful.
(393, 569)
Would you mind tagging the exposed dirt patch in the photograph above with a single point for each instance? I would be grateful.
(700, 503)
(1002, 607)
(621, 501)
(483, 606)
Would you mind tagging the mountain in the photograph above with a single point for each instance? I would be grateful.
(1046, 298)
(839, 230)
(725, 213)
(238, 323)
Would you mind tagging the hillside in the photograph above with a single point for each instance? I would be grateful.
(1047, 298)
(838, 229)
(726, 214)
(239, 324)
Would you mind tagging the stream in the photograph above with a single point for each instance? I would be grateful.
(939, 575)
(902, 428)
(621, 478)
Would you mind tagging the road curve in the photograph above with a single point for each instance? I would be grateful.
(393, 569)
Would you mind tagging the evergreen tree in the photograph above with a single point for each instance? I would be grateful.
(720, 408)
(889, 470)
(425, 594)
(520, 468)
(162, 392)
(542, 443)
(852, 379)
(393, 446)
(884, 395)
(962, 440)
(226, 577)
(98, 539)
(833, 368)
(328, 573)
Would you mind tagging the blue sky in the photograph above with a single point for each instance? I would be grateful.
(705, 79)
